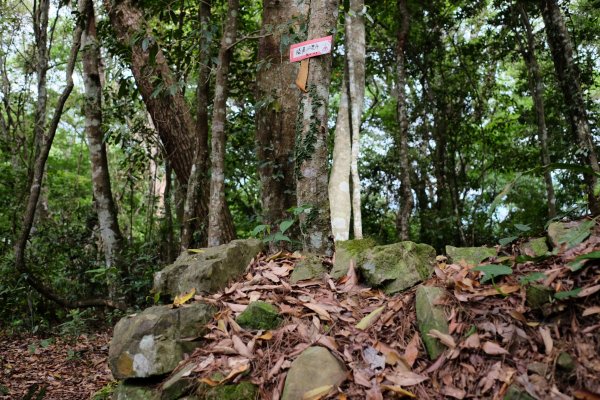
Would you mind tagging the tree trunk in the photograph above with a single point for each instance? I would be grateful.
(35, 189)
(277, 110)
(103, 198)
(406, 197)
(347, 131)
(311, 136)
(217, 232)
(536, 86)
(195, 213)
(566, 70)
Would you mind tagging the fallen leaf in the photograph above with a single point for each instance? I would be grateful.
(370, 319)
(412, 350)
(240, 347)
(317, 393)
(472, 342)
(588, 291)
(453, 392)
(398, 390)
(444, 338)
(591, 311)
(583, 394)
(183, 298)
(319, 310)
(268, 335)
(548, 343)
(405, 378)
(493, 349)
(392, 357)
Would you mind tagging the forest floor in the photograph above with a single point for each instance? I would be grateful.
(496, 340)
(64, 368)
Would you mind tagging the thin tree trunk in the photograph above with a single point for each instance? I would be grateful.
(311, 136)
(216, 231)
(195, 213)
(103, 198)
(568, 77)
(355, 34)
(276, 115)
(406, 197)
(35, 188)
(536, 86)
(168, 237)
(41, 11)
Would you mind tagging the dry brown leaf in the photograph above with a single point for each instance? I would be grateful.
(472, 342)
(453, 392)
(412, 350)
(398, 390)
(240, 347)
(317, 393)
(591, 311)
(548, 343)
(588, 291)
(493, 349)
(392, 357)
(319, 310)
(444, 338)
(268, 335)
(236, 307)
(405, 378)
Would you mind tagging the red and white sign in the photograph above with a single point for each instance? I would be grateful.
(310, 48)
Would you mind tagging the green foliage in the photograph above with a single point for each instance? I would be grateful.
(492, 271)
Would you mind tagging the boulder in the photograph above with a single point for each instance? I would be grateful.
(535, 247)
(430, 316)
(538, 295)
(209, 270)
(315, 367)
(347, 251)
(154, 341)
(259, 315)
(308, 267)
(569, 234)
(396, 267)
(470, 255)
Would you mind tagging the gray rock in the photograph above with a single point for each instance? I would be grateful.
(314, 368)
(396, 267)
(430, 316)
(568, 234)
(131, 391)
(208, 271)
(471, 255)
(347, 251)
(154, 341)
(259, 315)
(538, 368)
(308, 267)
(565, 362)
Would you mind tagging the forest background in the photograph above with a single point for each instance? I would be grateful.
(133, 130)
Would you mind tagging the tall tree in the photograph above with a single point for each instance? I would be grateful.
(217, 233)
(567, 72)
(103, 198)
(406, 197)
(347, 130)
(311, 136)
(536, 87)
(277, 109)
(195, 212)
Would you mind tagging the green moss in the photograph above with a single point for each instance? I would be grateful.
(538, 295)
(307, 140)
(310, 267)
(259, 315)
(239, 391)
(355, 247)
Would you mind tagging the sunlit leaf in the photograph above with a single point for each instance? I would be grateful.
(370, 319)
(567, 294)
(317, 393)
(183, 298)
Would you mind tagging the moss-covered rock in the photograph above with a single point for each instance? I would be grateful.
(314, 368)
(239, 391)
(430, 316)
(538, 295)
(132, 391)
(535, 247)
(309, 267)
(569, 234)
(259, 315)
(516, 393)
(209, 270)
(565, 362)
(347, 251)
(154, 341)
(470, 255)
(396, 267)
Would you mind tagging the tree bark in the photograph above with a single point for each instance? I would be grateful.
(536, 87)
(195, 213)
(217, 232)
(406, 197)
(347, 132)
(277, 110)
(34, 192)
(568, 77)
(311, 136)
(103, 198)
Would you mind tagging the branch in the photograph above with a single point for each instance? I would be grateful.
(248, 38)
